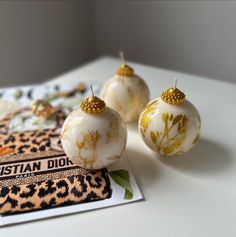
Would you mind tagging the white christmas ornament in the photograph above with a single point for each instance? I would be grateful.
(170, 125)
(93, 136)
(126, 93)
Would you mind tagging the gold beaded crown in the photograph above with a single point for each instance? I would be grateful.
(173, 96)
(125, 70)
(93, 105)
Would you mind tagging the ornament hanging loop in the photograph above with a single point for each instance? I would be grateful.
(122, 57)
(91, 88)
(175, 82)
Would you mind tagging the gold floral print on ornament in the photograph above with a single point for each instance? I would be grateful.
(113, 157)
(112, 133)
(89, 139)
(71, 125)
(116, 157)
(166, 144)
(145, 118)
(195, 140)
(197, 137)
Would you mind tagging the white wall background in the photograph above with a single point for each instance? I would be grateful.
(41, 39)
(198, 37)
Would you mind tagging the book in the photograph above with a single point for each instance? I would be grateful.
(35, 174)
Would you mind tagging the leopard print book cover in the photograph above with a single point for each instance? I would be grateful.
(13, 143)
(34, 175)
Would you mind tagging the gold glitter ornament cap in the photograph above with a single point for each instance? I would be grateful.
(173, 95)
(124, 69)
(93, 105)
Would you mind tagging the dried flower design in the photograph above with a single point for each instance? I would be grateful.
(146, 119)
(113, 131)
(195, 140)
(90, 139)
(166, 144)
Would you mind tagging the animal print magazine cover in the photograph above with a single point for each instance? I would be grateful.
(35, 174)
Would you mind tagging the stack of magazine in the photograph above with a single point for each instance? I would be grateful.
(37, 180)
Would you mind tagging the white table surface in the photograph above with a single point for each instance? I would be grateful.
(194, 195)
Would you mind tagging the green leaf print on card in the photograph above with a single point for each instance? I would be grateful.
(121, 177)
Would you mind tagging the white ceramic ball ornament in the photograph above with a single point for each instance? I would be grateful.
(126, 93)
(93, 136)
(170, 125)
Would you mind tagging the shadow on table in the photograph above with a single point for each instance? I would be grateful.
(207, 157)
(144, 166)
